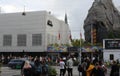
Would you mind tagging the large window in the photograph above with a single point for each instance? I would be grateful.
(36, 39)
(7, 40)
(21, 40)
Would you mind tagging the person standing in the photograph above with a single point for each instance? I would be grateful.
(44, 68)
(38, 67)
(70, 66)
(114, 69)
(97, 70)
(84, 67)
(89, 69)
(62, 67)
(27, 69)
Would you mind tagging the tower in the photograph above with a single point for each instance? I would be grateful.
(66, 21)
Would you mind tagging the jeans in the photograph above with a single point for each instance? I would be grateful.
(62, 72)
(70, 72)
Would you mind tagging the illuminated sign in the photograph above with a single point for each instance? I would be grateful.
(112, 44)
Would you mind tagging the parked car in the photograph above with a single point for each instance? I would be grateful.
(16, 63)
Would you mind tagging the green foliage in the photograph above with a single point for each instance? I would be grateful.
(87, 44)
(77, 42)
(52, 71)
(57, 45)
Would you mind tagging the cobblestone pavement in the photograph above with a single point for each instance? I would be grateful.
(15, 72)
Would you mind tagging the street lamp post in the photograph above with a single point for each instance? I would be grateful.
(80, 51)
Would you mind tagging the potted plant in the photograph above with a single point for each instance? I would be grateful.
(52, 71)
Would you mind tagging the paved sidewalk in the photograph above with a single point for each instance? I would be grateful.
(75, 72)
(14, 72)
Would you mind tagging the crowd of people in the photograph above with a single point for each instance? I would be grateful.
(35, 67)
(32, 66)
(66, 65)
(88, 67)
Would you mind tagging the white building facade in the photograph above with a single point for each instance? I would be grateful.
(111, 49)
(31, 32)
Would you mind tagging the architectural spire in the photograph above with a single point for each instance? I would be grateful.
(66, 21)
(24, 12)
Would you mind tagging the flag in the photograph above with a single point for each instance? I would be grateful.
(80, 35)
(59, 36)
(70, 37)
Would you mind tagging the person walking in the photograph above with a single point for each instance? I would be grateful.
(70, 66)
(27, 69)
(97, 70)
(114, 69)
(62, 67)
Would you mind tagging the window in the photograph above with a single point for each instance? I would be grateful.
(36, 39)
(111, 57)
(49, 22)
(7, 40)
(21, 40)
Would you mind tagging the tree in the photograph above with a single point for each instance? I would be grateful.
(77, 42)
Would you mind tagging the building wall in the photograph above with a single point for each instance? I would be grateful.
(16, 23)
(107, 53)
(59, 27)
(32, 23)
(111, 47)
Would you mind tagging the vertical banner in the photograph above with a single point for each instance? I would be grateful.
(80, 35)
(59, 36)
(70, 36)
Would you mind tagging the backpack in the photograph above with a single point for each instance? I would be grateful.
(80, 69)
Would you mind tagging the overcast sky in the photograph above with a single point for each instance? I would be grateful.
(76, 10)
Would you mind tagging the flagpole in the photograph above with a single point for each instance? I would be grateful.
(59, 37)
